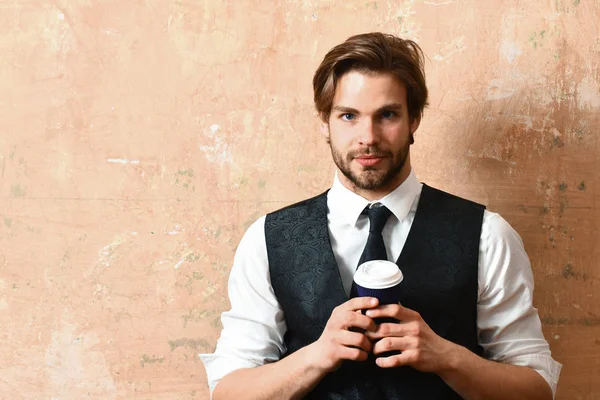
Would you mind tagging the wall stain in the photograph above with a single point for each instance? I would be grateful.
(186, 172)
(189, 343)
(17, 191)
(216, 323)
(186, 176)
(65, 258)
(592, 321)
(581, 186)
(196, 316)
(568, 273)
(7, 222)
(150, 360)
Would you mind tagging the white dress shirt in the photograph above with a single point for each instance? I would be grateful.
(508, 325)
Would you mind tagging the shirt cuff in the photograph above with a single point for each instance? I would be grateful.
(543, 364)
(217, 367)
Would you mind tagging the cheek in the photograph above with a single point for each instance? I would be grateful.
(340, 135)
(398, 134)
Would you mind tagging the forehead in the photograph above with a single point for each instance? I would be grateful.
(366, 91)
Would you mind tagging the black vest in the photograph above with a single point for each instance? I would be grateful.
(440, 266)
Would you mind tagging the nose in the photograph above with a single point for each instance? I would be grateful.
(368, 134)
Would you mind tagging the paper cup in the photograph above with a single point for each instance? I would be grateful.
(380, 279)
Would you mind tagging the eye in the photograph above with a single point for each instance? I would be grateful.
(348, 116)
(388, 114)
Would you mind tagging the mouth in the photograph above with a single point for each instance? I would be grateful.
(368, 160)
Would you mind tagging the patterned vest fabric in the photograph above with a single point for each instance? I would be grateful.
(440, 266)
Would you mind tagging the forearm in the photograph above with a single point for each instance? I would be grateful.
(474, 378)
(290, 378)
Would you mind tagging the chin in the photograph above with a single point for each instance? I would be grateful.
(370, 180)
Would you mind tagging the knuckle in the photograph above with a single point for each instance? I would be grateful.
(355, 354)
(384, 329)
(416, 356)
(352, 318)
(417, 343)
(387, 343)
(414, 329)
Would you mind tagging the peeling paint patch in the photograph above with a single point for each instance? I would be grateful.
(581, 186)
(176, 231)
(440, 3)
(510, 50)
(589, 94)
(122, 161)
(77, 371)
(456, 45)
(524, 120)
(108, 252)
(179, 263)
(496, 90)
(219, 152)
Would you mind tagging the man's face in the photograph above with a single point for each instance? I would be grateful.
(369, 132)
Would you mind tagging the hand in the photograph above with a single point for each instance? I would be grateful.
(344, 335)
(420, 347)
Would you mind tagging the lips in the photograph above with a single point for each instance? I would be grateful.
(368, 161)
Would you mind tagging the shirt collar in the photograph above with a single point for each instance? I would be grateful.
(347, 206)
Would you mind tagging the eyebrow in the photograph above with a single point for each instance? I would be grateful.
(392, 106)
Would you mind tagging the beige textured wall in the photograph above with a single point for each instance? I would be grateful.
(138, 140)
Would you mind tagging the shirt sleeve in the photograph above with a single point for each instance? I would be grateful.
(509, 326)
(254, 327)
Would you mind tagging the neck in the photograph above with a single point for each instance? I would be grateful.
(380, 192)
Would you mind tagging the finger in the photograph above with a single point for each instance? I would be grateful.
(354, 339)
(408, 357)
(393, 344)
(398, 329)
(359, 303)
(351, 353)
(356, 320)
(393, 311)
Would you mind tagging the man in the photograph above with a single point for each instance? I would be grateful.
(466, 327)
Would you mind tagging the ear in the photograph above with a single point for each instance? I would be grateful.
(325, 130)
(414, 125)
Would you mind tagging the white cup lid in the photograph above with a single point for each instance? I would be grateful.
(378, 274)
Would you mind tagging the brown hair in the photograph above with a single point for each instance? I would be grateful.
(373, 52)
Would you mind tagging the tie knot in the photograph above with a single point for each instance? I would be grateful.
(378, 215)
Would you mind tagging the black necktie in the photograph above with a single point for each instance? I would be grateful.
(375, 248)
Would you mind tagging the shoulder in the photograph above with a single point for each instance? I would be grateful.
(497, 229)
(318, 201)
(451, 198)
(253, 240)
